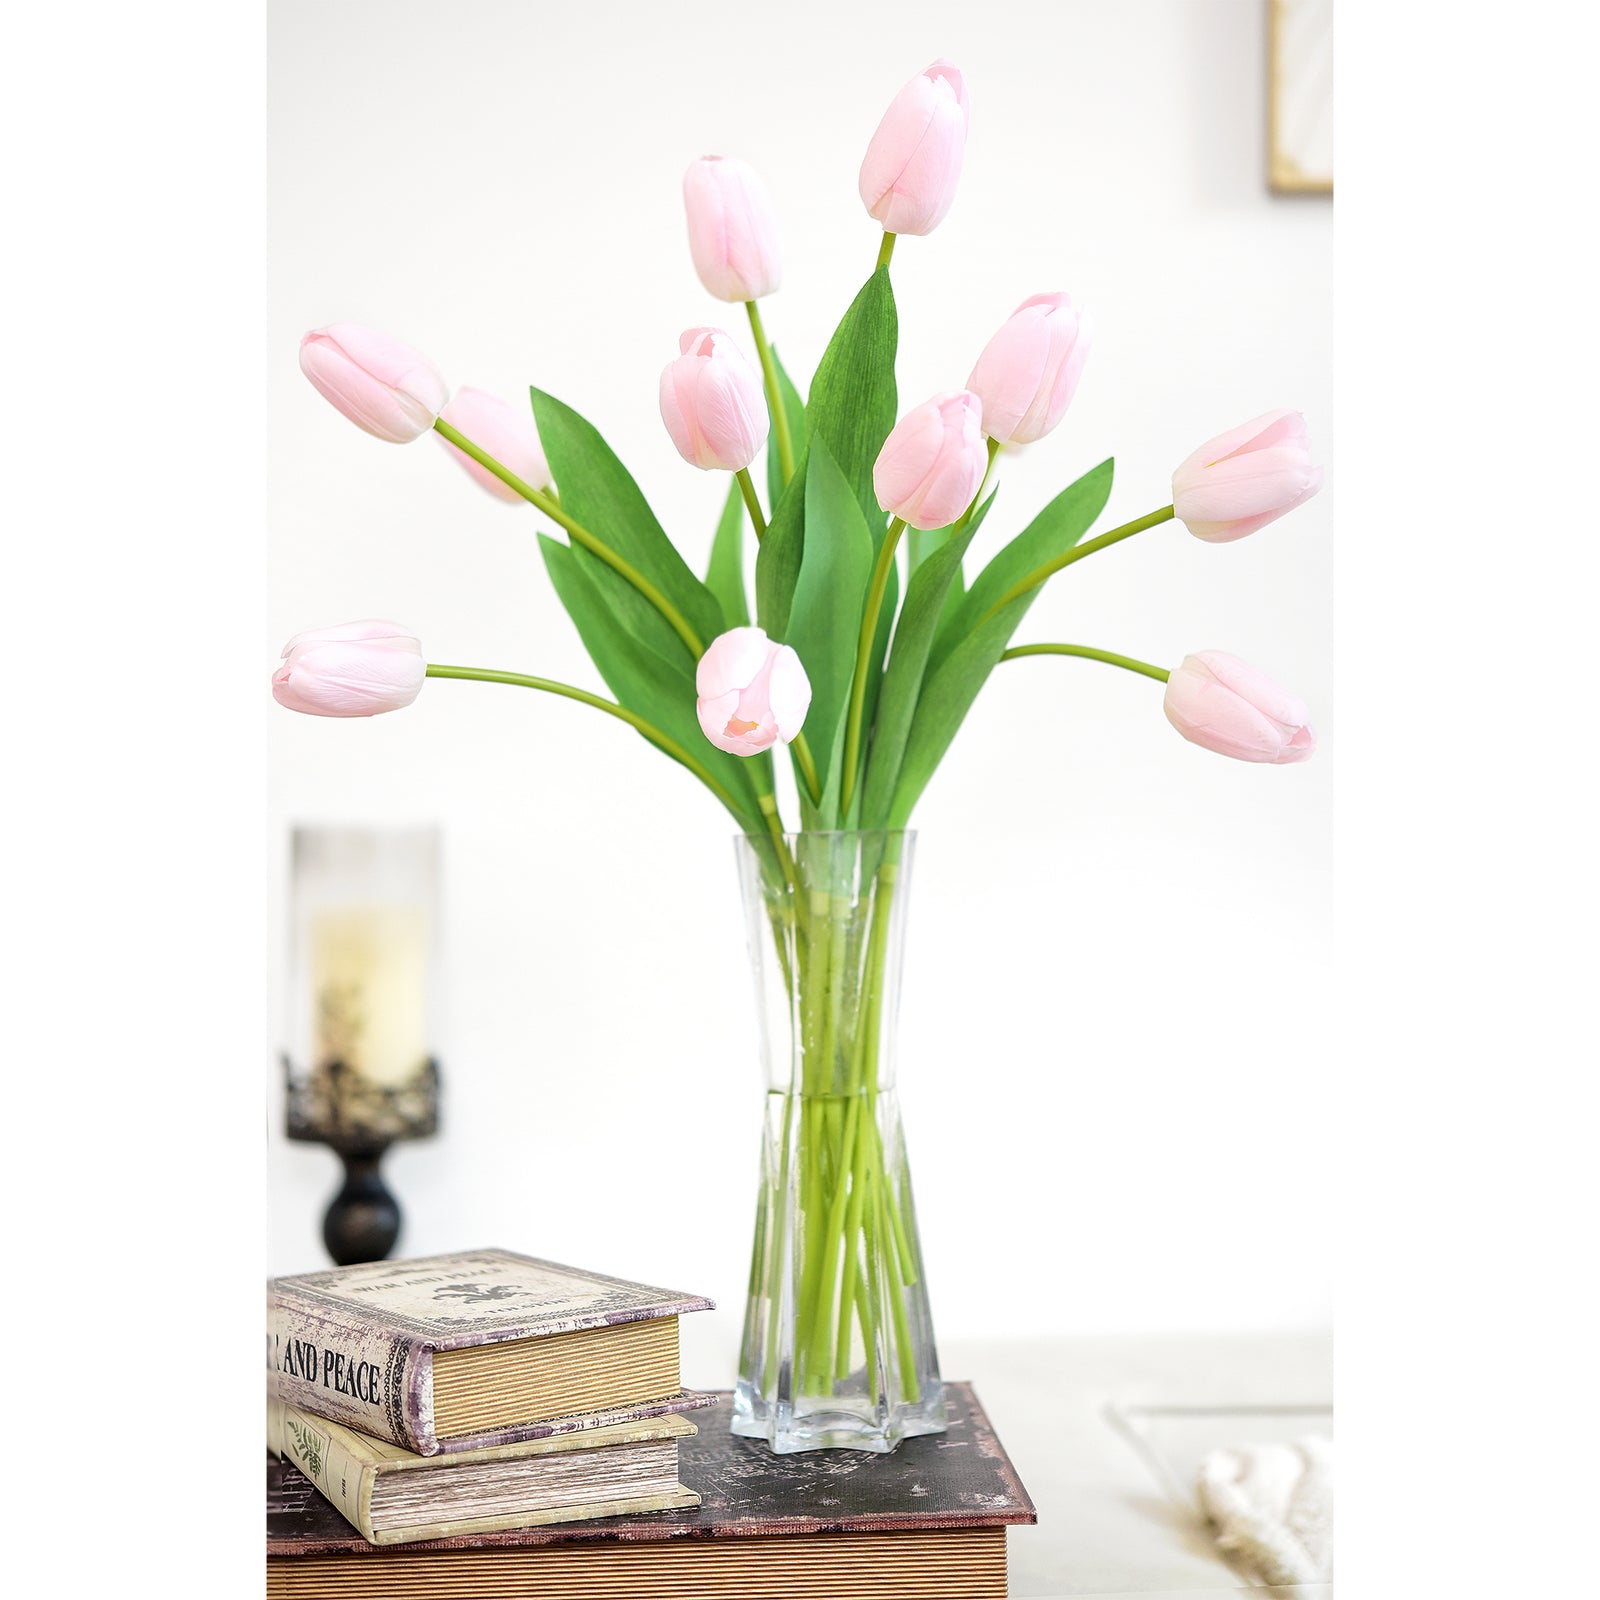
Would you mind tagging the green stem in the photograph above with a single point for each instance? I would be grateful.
(654, 734)
(1130, 663)
(909, 1387)
(780, 412)
(977, 499)
(1077, 553)
(861, 1092)
(768, 803)
(886, 249)
(869, 629)
(596, 547)
(751, 503)
(808, 767)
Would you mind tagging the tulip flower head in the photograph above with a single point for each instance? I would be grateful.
(501, 430)
(733, 229)
(913, 163)
(933, 462)
(386, 388)
(1242, 480)
(712, 402)
(357, 669)
(1218, 701)
(1029, 370)
(751, 691)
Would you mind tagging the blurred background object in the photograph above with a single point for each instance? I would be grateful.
(1300, 96)
(359, 1070)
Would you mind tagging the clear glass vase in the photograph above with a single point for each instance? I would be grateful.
(838, 1346)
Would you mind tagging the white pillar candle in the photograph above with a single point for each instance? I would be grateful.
(369, 968)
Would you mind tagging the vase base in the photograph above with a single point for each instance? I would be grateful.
(834, 1422)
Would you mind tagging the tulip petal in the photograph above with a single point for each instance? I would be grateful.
(733, 229)
(712, 402)
(731, 660)
(913, 161)
(383, 386)
(1238, 439)
(790, 691)
(370, 628)
(502, 430)
(1224, 704)
(350, 678)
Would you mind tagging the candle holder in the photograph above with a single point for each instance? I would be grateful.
(359, 1075)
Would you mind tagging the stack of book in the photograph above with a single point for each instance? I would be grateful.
(478, 1392)
(423, 1399)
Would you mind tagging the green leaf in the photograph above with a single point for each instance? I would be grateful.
(795, 410)
(852, 402)
(778, 560)
(825, 620)
(921, 543)
(597, 491)
(966, 653)
(725, 575)
(945, 700)
(852, 409)
(658, 688)
(935, 581)
(852, 406)
(1052, 533)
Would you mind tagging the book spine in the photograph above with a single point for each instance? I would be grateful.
(352, 1371)
(306, 1442)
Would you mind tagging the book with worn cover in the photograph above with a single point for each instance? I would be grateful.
(478, 1348)
(926, 1522)
(394, 1496)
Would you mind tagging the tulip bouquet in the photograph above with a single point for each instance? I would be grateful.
(860, 651)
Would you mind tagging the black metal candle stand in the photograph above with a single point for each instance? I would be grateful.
(359, 1120)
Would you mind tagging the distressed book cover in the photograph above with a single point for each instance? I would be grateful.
(958, 1479)
(356, 1344)
(346, 1466)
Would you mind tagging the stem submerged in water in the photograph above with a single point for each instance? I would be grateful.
(856, 1256)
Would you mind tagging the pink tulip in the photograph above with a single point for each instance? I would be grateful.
(1217, 700)
(1029, 370)
(752, 692)
(931, 465)
(354, 670)
(501, 430)
(712, 402)
(913, 163)
(383, 386)
(1245, 479)
(733, 229)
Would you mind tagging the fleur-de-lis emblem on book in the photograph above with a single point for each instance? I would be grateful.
(475, 1293)
(307, 1446)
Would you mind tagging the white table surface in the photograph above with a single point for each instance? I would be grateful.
(1108, 1526)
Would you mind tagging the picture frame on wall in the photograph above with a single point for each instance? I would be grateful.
(1300, 96)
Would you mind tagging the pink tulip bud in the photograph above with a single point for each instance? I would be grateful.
(354, 670)
(913, 163)
(1029, 370)
(383, 386)
(1245, 479)
(752, 692)
(501, 430)
(712, 402)
(1217, 700)
(733, 229)
(931, 465)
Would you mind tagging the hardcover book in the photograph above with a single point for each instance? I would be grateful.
(394, 1496)
(927, 1522)
(478, 1348)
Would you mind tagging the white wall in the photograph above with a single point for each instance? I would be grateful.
(1113, 1059)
